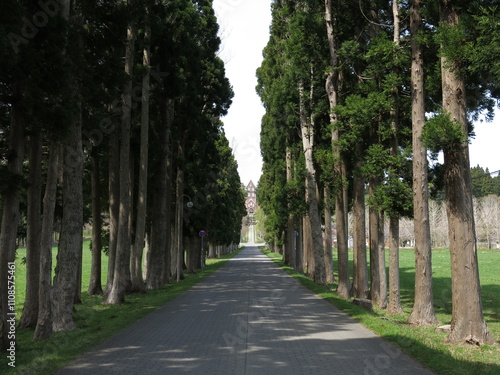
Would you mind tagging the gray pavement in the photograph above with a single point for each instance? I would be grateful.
(249, 317)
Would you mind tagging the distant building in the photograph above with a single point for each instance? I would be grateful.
(251, 205)
(251, 201)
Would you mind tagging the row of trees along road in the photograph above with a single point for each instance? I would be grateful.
(111, 110)
(347, 86)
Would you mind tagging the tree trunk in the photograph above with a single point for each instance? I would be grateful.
(341, 226)
(10, 220)
(376, 221)
(158, 241)
(292, 242)
(377, 257)
(307, 128)
(381, 263)
(467, 322)
(423, 309)
(30, 309)
(394, 292)
(95, 284)
(211, 250)
(158, 270)
(179, 209)
(173, 237)
(114, 198)
(193, 254)
(168, 170)
(328, 238)
(360, 282)
(288, 256)
(307, 246)
(44, 322)
(288, 252)
(140, 230)
(395, 303)
(122, 262)
(132, 214)
(67, 279)
(343, 288)
(70, 242)
(299, 253)
(344, 282)
(373, 231)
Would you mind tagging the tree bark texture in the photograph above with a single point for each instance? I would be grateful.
(360, 282)
(394, 285)
(289, 237)
(44, 321)
(159, 244)
(331, 84)
(193, 256)
(10, 217)
(423, 309)
(114, 206)
(30, 309)
(306, 245)
(179, 209)
(299, 252)
(341, 226)
(122, 261)
(168, 170)
(381, 263)
(70, 243)
(140, 229)
(467, 323)
(95, 284)
(373, 238)
(173, 235)
(158, 257)
(307, 130)
(328, 250)
(211, 250)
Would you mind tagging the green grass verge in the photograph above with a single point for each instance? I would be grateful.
(96, 322)
(423, 343)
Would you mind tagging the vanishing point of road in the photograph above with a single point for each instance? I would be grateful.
(248, 317)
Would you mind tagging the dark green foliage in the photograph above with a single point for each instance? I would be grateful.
(215, 190)
(472, 46)
(483, 183)
(441, 133)
(185, 69)
(482, 49)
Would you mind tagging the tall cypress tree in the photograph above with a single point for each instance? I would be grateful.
(468, 324)
(11, 171)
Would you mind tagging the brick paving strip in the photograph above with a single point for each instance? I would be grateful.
(248, 317)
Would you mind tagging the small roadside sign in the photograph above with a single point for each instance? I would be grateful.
(202, 233)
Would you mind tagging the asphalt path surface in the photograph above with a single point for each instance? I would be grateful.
(248, 317)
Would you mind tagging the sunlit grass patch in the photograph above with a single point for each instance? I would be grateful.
(424, 343)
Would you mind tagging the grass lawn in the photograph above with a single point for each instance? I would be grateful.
(423, 343)
(96, 322)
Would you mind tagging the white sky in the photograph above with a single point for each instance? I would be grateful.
(244, 30)
(483, 146)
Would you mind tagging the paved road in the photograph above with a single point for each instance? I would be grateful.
(249, 317)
